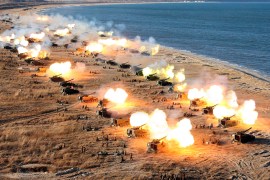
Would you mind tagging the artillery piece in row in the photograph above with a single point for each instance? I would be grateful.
(243, 137)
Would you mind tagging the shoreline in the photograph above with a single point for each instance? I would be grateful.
(252, 72)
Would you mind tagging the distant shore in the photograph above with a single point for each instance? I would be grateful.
(41, 6)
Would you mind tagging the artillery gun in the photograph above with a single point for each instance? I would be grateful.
(33, 40)
(196, 102)
(8, 47)
(57, 78)
(103, 112)
(164, 82)
(95, 54)
(226, 121)
(23, 55)
(70, 91)
(119, 122)
(112, 63)
(74, 39)
(125, 65)
(88, 98)
(145, 53)
(139, 72)
(136, 67)
(134, 51)
(69, 84)
(103, 103)
(152, 77)
(33, 62)
(100, 60)
(242, 136)
(136, 131)
(155, 145)
(208, 110)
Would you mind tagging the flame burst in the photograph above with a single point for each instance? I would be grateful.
(155, 50)
(247, 112)
(94, 47)
(195, 94)
(42, 18)
(223, 111)
(139, 119)
(7, 38)
(181, 87)
(214, 95)
(62, 32)
(158, 127)
(182, 133)
(157, 124)
(21, 41)
(164, 72)
(61, 68)
(117, 96)
(113, 42)
(38, 36)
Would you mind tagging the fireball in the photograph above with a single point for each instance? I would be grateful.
(247, 112)
(222, 112)
(182, 133)
(21, 41)
(231, 99)
(139, 119)
(155, 50)
(39, 36)
(195, 94)
(43, 54)
(61, 68)
(42, 18)
(71, 26)
(62, 32)
(157, 124)
(94, 47)
(112, 42)
(7, 38)
(22, 50)
(180, 76)
(147, 71)
(34, 52)
(117, 96)
(166, 72)
(181, 87)
(214, 95)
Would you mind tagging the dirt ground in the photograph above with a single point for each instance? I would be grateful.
(40, 137)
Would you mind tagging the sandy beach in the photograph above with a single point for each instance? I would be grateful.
(44, 137)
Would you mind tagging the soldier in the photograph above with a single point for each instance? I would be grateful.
(100, 103)
(170, 89)
(131, 157)
(83, 149)
(122, 159)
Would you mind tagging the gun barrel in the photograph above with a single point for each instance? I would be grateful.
(92, 93)
(162, 138)
(247, 130)
(69, 80)
(152, 74)
(232, 116)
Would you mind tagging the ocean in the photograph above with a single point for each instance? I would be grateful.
(237, 33)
